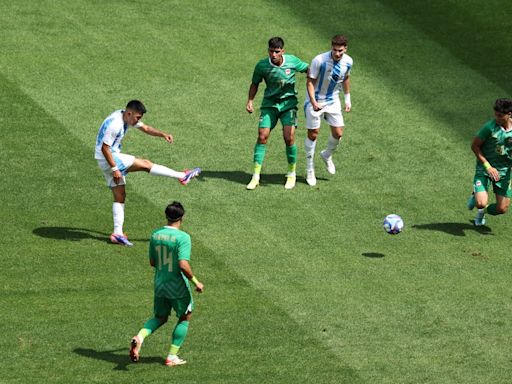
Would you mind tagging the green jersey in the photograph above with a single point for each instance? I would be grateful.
(497, 147)
(167, 246)
(280, 80)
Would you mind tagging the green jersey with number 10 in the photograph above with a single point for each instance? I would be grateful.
(167, 246)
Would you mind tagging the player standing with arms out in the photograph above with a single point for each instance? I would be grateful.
(115, 165)
(329, 72)
(169, 254)
(492, 147)
(279, 103)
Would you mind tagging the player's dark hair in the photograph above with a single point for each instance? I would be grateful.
(174, 212)
(136, 105)
(276, 43)
(339, 40)
(503, 105)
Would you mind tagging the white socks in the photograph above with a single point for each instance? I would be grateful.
(332, 144)
(160, 170)
(309, 145)
(118, 213)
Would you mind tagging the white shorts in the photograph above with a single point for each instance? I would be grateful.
(123, 162)
(330, 112)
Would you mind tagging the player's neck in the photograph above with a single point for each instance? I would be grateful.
(175, 225)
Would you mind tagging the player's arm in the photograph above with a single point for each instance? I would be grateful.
(187, 271)
(253, 90)
(346, 93)
(476, 147)
(152, 131)
(116, 173)
(310, 88)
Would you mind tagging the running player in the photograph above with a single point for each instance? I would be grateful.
(279, 103)
(169, 254)
(492, 147)
(329, 72)
(115, 165)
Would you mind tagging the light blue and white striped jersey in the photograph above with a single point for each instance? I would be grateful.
(111, 132)
(330, 75)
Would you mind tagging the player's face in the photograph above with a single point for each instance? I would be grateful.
(337, 52)
(133, 117)
(502, 118)
(276, 55)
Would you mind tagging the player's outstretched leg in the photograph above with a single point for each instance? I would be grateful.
(189, 175)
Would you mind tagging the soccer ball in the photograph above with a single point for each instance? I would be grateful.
(393, 224)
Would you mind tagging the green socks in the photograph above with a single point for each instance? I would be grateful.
(291, 156)
(178, 337)
(259, 155)
(491, 209)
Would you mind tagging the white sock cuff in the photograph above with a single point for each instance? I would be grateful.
(161, 170)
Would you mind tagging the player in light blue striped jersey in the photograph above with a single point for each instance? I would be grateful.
(115, 165)
(328, 73)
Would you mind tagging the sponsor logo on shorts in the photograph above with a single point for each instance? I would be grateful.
(478, 183)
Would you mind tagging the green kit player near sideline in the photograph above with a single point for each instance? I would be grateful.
(492, 147)
(279, 103)
(169, 254)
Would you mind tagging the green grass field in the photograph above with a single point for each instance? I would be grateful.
(301, 286)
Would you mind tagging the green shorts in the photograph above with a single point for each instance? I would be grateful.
(162, 306)
(481, 183)
(285, 110)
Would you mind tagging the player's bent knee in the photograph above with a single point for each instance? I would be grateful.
(163, 319)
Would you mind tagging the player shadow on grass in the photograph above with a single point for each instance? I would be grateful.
(74, 234)
(117, 356)
(455, 229)
(243, 178)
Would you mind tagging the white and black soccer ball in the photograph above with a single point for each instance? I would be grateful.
(393, 224)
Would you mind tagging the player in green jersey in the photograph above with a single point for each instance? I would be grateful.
(169, 254)
(492, 146)
(279, 103)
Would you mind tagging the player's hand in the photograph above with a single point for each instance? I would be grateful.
(168, 137)
(316, 106)
(493, 174)
(249, 108)
(117, 175)
(200, 287)
(348, 107)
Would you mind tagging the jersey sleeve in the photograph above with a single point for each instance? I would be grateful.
(485, 132)
(152, 256)
(257, 75)
(314, 68)
(300, 65)
(185, 247)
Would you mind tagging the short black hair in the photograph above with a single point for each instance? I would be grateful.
(174, 212)
(276, 43)
(503, 105)
(136, 105)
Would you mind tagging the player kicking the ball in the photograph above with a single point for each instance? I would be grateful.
(169, 254)
(115, 165)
